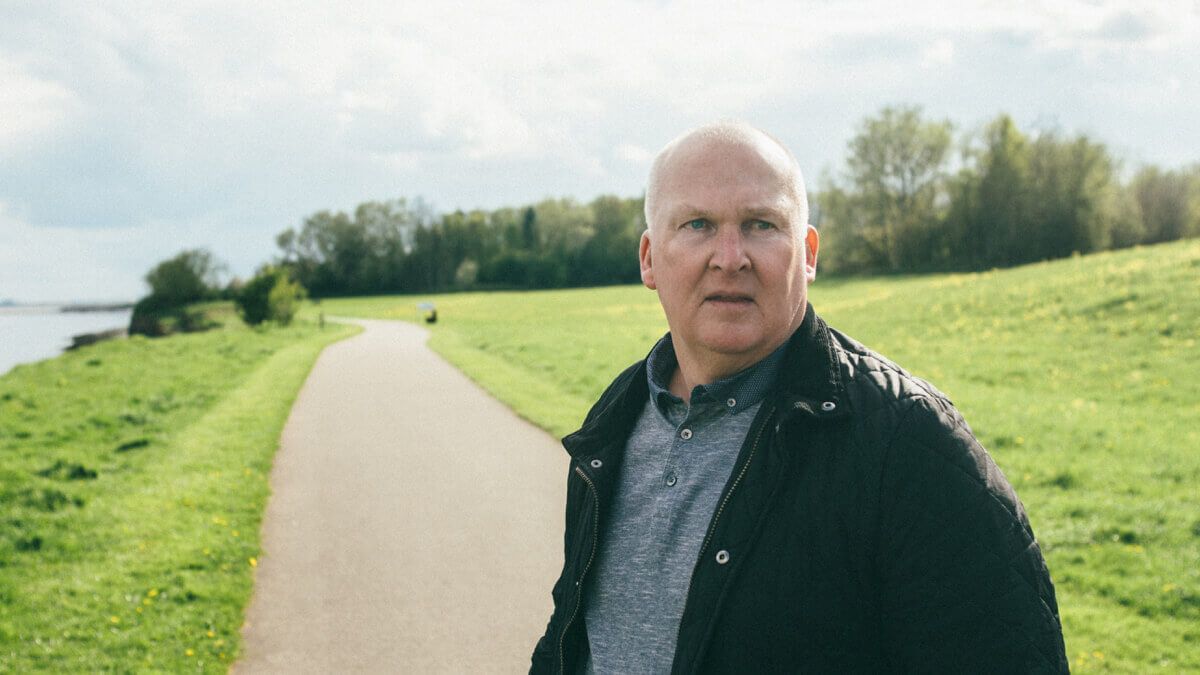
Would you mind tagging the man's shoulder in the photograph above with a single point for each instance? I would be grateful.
(874, 380)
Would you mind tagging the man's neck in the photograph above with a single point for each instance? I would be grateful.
(689, 373)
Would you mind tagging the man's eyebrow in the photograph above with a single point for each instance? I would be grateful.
(689, 211)
(763, 212)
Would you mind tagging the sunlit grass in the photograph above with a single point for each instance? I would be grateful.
(133, 476)
(1081, 376)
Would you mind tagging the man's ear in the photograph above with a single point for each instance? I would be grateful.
(812, 242)
(646, 262)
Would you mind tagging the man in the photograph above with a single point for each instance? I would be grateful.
(765, 494)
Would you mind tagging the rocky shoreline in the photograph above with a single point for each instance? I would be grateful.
(85, 339)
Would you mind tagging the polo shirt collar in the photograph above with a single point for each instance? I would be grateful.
(743, 389)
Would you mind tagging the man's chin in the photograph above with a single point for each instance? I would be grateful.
(733, 343)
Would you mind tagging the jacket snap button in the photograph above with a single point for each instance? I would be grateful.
(685, 434)
(596, 464)
(828, 406)
(722, 557)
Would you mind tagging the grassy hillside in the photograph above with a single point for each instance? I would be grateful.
(1081, 376)
(133, 476)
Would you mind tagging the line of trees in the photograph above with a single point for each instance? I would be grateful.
(907, 202)
(401, 246)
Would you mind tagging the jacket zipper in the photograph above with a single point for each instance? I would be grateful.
(562, 668)
(712, 527)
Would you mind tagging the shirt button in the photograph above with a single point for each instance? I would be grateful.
(722, 557)
(671, 480)
(731, 402)
(685, 434)
(596, 464)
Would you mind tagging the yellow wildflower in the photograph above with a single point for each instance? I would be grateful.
(254, 562)
(190, 652)
(115, 619)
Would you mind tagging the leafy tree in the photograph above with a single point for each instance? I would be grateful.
(1074, 191)
(896, 163)
(1167, 203)
(190, 276)
(531, 239)
(995, 230)
(466, 274)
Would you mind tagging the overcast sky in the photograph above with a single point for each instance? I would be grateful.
(129, 131)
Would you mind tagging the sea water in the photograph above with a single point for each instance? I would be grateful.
(29, 334)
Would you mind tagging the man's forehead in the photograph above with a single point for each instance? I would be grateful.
(741, 173)
(699, 149)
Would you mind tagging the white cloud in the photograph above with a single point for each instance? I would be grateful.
(634, 154)
(938, 54)
(30, 107)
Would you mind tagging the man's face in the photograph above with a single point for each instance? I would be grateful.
(726, 250)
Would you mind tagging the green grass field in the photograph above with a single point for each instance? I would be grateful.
(1081, 376)
(133, 476)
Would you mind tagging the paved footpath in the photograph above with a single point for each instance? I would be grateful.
(415, 524)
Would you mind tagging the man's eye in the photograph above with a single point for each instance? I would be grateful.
(697, 224)
(763, 225)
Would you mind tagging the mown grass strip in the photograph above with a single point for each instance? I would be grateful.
(1081, 377)
(134, 480)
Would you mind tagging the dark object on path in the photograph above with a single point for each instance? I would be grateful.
(430, 309)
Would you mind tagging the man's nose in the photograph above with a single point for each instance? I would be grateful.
(729, 253)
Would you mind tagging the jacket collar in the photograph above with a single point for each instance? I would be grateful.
(809, 383)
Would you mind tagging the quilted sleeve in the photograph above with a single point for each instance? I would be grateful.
(964, 585)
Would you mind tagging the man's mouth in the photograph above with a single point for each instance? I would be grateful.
(731, 299)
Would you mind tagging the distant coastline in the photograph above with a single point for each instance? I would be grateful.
(93, 307)
(10, 307)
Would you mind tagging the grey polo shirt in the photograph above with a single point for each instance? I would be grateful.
(677, 461)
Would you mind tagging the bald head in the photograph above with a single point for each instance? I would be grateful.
(711, 140)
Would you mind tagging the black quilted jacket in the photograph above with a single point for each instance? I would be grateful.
(863, 529)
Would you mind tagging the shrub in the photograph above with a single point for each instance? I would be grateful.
(284, 299)
(270, 296)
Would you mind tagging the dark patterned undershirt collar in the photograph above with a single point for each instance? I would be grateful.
(736, 392)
